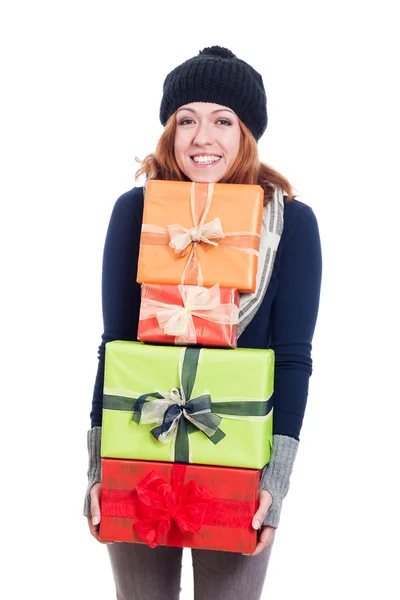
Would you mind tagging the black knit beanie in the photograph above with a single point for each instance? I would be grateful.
(216, 75)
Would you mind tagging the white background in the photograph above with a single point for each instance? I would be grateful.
(81, 86)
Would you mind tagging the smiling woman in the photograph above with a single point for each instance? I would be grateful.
(214, 111)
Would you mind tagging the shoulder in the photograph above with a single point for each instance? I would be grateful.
(295, 210)
(130, 203)
(299, 221)
(127, 214)
(126, 217)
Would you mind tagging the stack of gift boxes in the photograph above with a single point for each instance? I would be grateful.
(187, 416)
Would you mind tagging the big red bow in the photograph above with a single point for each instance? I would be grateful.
(162, 506)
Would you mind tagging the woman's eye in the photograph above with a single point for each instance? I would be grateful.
(185, 121)
(224, 122)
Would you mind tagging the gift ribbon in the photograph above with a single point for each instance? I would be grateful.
(162, 509)
(175, 410)
(177, 414)
(185, 240)
(177, 321)
(181, 237)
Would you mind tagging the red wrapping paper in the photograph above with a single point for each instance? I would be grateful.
(216, 512)
(208, 333)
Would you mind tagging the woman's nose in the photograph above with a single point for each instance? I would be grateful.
(203, 135)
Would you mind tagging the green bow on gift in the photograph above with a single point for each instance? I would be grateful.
(179, 413)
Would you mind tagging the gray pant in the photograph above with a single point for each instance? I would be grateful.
(142, 573)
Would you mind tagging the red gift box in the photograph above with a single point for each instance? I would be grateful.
(191, 506)
(188, 314)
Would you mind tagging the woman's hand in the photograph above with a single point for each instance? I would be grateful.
(94, 520)
(267, 531)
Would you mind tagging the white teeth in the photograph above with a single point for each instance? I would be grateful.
(203, 160)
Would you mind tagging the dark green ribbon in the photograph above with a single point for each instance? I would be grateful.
(191, 408)
(211, 419)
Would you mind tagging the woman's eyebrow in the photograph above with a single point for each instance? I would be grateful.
(186, 108)
(223, 110)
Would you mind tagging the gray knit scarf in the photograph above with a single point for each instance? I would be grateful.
(271, 231)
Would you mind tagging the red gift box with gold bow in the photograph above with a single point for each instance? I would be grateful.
(191, 506)
(189, 314)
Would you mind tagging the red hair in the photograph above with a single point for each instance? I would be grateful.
(246, 168)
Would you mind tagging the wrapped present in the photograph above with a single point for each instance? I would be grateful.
(189, 314)
(177, 505)
(201, 234)
(198, 405)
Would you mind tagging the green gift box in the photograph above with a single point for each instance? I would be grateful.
(197, 405)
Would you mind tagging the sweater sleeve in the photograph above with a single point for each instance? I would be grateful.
(120, 292)
(293, 319)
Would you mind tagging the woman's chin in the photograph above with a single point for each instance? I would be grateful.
(205, 176)
(203, 180)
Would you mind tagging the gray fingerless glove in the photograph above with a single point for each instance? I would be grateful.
(276, 474)
(94, 469)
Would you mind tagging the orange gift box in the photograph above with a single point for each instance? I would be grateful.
(188, 314)
(190, 506)
(201, 234)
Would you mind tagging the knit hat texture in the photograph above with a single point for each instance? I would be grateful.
(217, 75)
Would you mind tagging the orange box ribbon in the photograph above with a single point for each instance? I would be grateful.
(185, 241)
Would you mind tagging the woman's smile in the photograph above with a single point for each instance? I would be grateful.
(205, 160)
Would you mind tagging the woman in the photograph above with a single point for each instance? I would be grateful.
(214, 111)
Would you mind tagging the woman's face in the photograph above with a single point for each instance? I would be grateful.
(207, 140)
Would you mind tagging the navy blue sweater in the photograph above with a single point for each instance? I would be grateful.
(284, 322)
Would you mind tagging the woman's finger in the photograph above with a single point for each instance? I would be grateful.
(265, 503)
(94, 520)
(265, 539)
(95, 531)
(95, 503)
